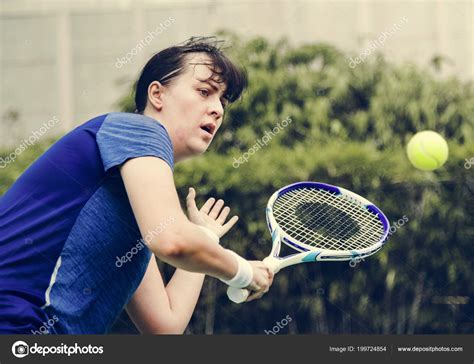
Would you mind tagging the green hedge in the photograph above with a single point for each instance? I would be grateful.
(349, 127)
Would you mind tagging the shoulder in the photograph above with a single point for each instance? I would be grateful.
(125, 135)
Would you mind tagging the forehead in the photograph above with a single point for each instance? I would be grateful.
(199, 67)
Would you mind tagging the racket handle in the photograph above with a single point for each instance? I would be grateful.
(239, 295)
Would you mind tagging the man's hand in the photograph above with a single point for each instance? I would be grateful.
(211, 216)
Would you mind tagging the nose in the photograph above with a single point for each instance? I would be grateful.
(216, 109)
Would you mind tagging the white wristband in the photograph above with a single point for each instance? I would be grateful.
(211, 234)
(244, 274)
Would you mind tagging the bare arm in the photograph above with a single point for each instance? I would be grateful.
(153, 197)
(156, 309)
(154, 200)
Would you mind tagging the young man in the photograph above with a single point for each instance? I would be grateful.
(81, 228)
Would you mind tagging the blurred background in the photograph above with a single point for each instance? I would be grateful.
(357, 78)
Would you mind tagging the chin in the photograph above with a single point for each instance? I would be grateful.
(198, 148)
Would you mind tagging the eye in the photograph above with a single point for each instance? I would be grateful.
(204, 91)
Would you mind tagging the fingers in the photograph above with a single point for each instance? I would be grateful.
(255, 296)
(227, 226)
(207, 206)
(223, 215)
(258, 294)
(216, 209)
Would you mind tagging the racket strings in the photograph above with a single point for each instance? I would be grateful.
(318, 219)
(328, 219)
(303, 233)
(340, 229)
(333, 224)
(324, 220)
(326, 197)
(359, 213)
(336, 243)
(366, 221)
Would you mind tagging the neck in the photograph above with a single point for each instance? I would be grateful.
(178, 154)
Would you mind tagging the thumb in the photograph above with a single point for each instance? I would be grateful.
(190, 201)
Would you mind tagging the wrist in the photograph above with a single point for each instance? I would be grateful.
(244, 275)
(215, 238)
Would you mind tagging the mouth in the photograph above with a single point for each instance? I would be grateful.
(209, 128)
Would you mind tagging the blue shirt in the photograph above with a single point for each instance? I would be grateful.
(66, 224)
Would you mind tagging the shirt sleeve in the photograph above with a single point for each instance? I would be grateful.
(123, 136)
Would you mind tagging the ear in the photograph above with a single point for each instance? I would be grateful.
(155, 91)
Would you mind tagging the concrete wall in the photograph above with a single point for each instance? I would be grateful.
(59, 58)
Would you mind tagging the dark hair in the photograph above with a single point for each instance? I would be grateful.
(169, 63)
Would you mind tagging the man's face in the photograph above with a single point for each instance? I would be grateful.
(193, 107)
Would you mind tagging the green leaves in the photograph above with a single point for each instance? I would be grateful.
(349, 128)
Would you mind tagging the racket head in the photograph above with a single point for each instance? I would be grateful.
(332, 215)
(326, 222)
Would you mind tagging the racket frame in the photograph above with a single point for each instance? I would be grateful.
(311, 254)
(306, 253)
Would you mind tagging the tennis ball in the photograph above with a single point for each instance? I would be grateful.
(427, 150)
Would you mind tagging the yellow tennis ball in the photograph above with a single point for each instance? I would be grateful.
(427, 150)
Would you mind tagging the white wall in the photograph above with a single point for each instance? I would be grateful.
(58, 58)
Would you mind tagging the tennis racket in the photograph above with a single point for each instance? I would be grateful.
(320, 222)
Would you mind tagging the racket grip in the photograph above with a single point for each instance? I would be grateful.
(238, 295)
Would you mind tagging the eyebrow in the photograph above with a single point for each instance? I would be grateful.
(213, 87)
